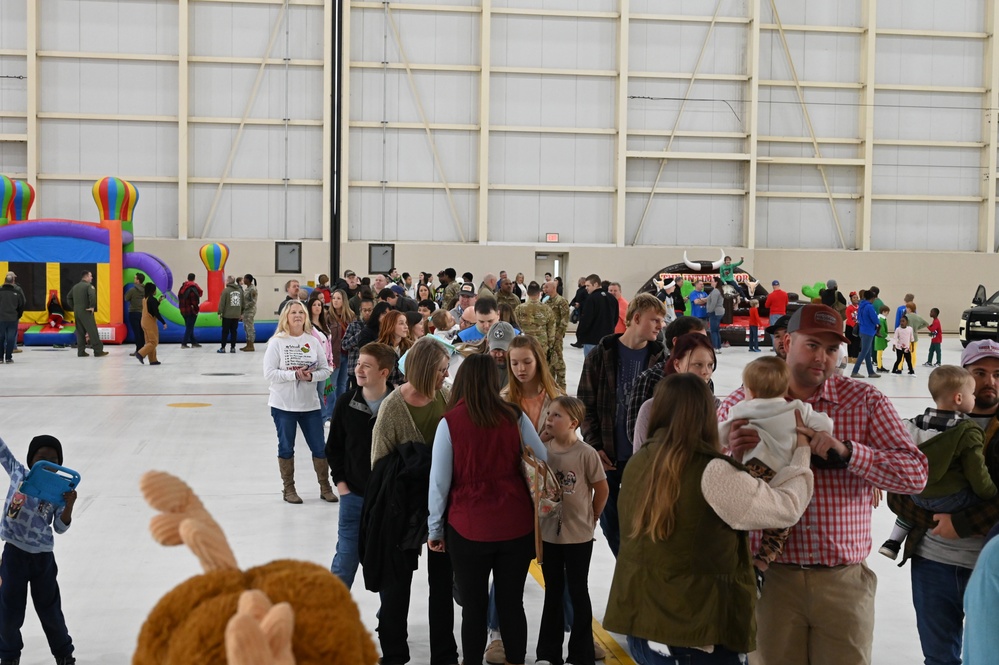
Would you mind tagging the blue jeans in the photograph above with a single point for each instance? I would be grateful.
(866, 344)
(714, 325)
(587, 348)
(609, 523)
(189, 321)
(644, 655)
(754, 338)
(287, 423)
(8, 339)
(19, 568)
(938, 598)
(340, 377)
(346, 560)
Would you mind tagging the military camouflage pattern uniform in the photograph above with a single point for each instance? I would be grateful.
(510, 299)
(450, 294)
(560, 314)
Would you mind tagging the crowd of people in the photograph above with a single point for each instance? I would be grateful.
(738, 523)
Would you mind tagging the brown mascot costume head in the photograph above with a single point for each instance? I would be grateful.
(281, 613)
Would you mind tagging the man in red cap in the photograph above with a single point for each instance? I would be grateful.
(818, 603)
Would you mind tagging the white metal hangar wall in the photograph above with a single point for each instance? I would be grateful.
(220, 112)
(637, 128)
(784, 131)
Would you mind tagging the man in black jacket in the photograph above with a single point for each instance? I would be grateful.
(594, 319)
(11, 309)
(348, 449)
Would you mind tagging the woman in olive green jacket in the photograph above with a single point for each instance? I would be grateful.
(684, 580)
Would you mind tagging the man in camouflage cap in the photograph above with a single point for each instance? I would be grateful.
(560, 314)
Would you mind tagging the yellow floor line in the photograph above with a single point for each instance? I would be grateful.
(616, 655)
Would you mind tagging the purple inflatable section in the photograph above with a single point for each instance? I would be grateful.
(154, 269)
(54, 227)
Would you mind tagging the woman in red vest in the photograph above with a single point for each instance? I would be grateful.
(476, 476)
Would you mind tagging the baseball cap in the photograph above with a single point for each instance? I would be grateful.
(466, 289)
(817, 319)
(775, 283)
(500, 335)
(779, 324)
(976, 351)
(398, 289)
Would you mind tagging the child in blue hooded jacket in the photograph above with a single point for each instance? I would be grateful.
(26, 528)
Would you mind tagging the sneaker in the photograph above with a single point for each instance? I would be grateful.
(495, 653)
(936, 365)
(184, 346)
(195, 345)
(101, 355)
(9, 361)
(873, 376)
(927, 364)
(911, 373)
(856, 375)
(140, 359)
(599, 653)
(882, 370)
(18, 349)
(896, 371)
(222, 350)
(890, 549)
(232, 349)
(66, 660)
(156, 363)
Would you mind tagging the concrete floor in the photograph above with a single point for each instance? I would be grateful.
(117, 419)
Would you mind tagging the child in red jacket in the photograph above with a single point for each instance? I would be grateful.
(754, 326)
(936, 338)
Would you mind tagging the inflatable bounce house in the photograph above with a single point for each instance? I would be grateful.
(735, 323)
(49, 255)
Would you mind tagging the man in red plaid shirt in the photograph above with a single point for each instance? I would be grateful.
(818, 603)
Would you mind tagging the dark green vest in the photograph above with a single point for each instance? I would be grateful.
(696, 588)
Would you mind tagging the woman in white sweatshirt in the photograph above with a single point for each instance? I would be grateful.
(293, 364)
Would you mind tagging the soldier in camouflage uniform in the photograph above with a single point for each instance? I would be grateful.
(449, 289)
(560, 312)
(507, 296)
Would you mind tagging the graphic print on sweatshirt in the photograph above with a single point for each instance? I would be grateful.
(298, 357)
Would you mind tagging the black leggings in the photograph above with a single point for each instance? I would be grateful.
(508, 561)
(899, 355)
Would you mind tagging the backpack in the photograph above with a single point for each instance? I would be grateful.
(190, 298)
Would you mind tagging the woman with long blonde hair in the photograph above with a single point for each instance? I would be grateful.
(684, 575)
(294, 363)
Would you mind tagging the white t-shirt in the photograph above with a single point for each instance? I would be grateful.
(283, 356)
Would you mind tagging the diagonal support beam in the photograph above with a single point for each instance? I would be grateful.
(676, 122)
(426, 124)
(808, 121)
(246, 114)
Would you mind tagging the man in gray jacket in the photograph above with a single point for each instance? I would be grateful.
(82, 298)
(134, 297)
(11, 309)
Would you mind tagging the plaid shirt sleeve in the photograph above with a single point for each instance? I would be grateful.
(886, 457)
(587, 392)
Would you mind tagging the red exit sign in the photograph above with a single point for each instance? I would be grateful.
(551, 237)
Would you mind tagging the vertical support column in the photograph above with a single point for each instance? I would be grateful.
(752, 125)
(31, 70)
(621, 112)
(868, 60)
(329, 43)
(344, 120)
(990, 133)
(485, 59)
(183, 110)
